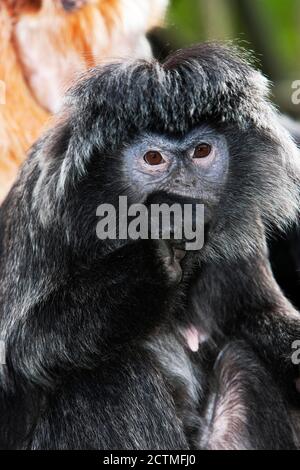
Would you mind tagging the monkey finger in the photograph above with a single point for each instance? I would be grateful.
(171, 258)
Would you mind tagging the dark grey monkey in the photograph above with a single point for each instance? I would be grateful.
(85, 320)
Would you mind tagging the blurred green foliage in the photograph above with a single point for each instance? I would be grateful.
(270, 28)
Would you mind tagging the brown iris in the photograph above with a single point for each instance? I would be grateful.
(202, 151)
(153, 158)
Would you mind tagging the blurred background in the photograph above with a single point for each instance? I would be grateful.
(270, 28)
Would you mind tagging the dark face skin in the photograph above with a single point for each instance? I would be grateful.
(193, 167)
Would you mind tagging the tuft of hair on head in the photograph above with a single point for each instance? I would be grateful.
(113, 103)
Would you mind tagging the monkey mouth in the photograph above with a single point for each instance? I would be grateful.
(194, 220)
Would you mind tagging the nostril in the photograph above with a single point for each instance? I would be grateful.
(184, 184)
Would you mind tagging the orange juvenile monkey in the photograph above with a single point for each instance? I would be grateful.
(43, 45)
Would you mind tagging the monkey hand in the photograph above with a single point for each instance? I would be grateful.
(171, 256)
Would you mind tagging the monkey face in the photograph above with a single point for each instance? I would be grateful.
(191, 167)
(139, 129)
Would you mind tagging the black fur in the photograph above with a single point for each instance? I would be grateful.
(84, 320)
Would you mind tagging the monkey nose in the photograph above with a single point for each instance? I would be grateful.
(187, 184)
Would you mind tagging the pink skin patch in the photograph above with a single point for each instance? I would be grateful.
(193, 338)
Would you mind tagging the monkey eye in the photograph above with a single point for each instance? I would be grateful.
(153, 157)
(202, 151)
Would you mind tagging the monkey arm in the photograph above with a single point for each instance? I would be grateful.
(246, 409)
(83, 322)
(273, 325)
(243, 300)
